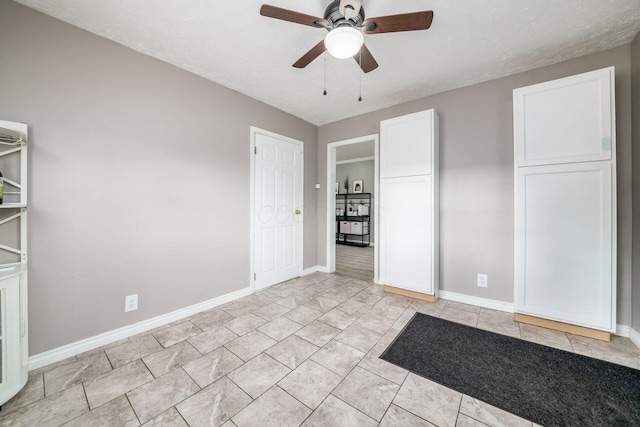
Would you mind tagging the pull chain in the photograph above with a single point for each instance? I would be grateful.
(325, 74)
(361, 72)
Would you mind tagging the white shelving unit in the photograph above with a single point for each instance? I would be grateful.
(13, 260)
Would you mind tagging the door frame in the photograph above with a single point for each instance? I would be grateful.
(331, 199)
(252, 202)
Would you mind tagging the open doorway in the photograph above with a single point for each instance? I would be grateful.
(352, 207)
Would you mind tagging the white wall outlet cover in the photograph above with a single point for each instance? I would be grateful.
(318, 186)
(130, 303)
(483, 280)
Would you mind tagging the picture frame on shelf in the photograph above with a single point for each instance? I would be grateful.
(358, 186)
(337, 187)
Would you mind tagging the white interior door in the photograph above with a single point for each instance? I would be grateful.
(277, 219)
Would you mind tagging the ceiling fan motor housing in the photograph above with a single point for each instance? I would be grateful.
(337, 19)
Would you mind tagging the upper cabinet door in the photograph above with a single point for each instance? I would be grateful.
(409, 147)
(565, 121)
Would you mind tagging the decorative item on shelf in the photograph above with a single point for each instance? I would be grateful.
(357, 186)
(352, 209)
(337, 187)
(346, 184)
(363, 210)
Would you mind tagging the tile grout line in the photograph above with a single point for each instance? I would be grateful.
(368, 416)
(132, 409)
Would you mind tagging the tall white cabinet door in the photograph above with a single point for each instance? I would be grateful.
(565, 243)
(565, 200)
(408, 212)
(406, 252)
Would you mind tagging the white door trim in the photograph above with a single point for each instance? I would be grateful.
(252, 204)
(331, 198)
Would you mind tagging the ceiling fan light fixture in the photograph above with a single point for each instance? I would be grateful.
(344, 42)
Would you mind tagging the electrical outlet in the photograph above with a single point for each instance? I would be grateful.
(483, 280)
(130, 303)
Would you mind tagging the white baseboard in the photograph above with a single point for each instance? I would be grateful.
(310, 270)
(634, 336)
(623, 331)
(314, 269)
(628, 332)
(91, 343)
(477, 301)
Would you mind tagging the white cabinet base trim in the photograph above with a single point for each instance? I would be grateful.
(564, 327)
(91, 343)
(410, 294)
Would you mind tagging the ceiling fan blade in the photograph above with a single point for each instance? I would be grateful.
(292, 16)
(395, 23)
(308, 57)
(368, 61)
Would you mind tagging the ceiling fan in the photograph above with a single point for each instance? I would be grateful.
(345, 22)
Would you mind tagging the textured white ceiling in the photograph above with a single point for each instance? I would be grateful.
(470, 41)
(360, 150)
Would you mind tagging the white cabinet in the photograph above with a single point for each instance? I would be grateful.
(13, 340)
(13, 260)
(409, 204)
(565, 224)
(565, 121)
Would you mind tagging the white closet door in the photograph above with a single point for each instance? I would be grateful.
(566, 120)
(406, 256)
(565, 242)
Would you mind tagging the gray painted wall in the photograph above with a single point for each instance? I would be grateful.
(635, 96)
(138, 180)
(476, 164)
(365, 172)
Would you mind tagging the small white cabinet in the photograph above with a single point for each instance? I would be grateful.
(13, 330)
(565, 206)
(13, 260)
(409, 203)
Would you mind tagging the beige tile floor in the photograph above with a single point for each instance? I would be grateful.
(304, 352)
